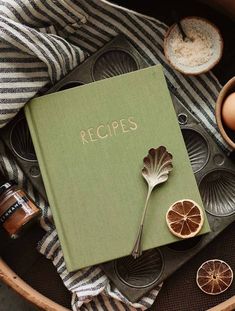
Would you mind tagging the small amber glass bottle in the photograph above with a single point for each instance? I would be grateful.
(17, 210)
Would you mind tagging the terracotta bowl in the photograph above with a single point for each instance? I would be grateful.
(228, 135)
(204, 26)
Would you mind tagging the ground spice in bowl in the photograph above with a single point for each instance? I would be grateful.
(195, 50)
(199, 51)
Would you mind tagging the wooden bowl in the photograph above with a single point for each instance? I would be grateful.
(228, 135)
(46, 304)
(205, 26)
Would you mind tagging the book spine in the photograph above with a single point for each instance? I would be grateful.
(46, 180)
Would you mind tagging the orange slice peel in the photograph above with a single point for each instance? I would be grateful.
(214, 277)
(185, 218)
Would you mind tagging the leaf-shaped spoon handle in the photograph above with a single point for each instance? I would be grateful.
(157, 166)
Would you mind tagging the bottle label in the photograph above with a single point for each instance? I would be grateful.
(14, 207)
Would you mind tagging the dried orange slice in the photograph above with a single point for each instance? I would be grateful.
(185, 218)
(214, 277)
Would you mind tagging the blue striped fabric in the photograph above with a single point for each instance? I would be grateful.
(41, 41)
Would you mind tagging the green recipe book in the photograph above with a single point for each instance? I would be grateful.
(90, 142)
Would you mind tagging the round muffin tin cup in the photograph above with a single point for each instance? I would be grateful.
(185, 245)
(197, 147)
(217, 189)
(113, 63)
(140, 272)
(21, 142)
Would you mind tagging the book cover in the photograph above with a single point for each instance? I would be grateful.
(90, 142)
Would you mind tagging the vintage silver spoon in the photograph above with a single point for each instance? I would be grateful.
(157, 166)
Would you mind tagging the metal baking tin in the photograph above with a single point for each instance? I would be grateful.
(214, 172)
(17, 139)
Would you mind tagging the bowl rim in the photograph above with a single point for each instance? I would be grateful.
(224, 92)
(204, 70)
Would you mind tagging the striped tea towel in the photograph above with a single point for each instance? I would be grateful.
(41, 41)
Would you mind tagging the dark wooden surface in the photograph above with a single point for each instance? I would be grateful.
(180, 291)
(10, 301)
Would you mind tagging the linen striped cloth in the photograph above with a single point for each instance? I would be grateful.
(41, 41)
